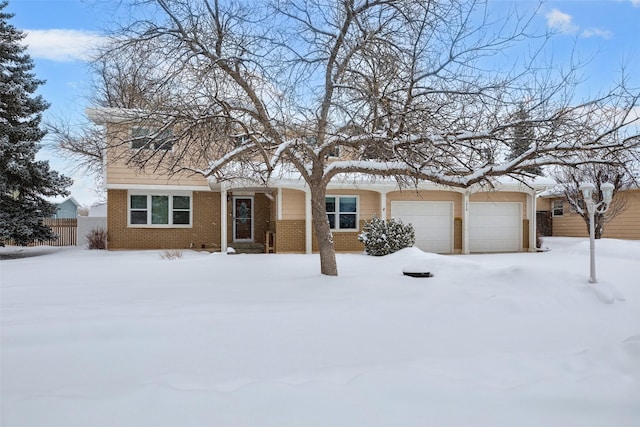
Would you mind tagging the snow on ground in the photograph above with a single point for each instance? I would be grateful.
(95, 338)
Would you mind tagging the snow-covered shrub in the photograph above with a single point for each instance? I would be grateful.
(97, 238)
(383, 238)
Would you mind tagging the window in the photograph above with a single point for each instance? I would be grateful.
(138, 210)
(557, 208)
(159, 210)
(342, 212)
(144, 137)
(241, 140)
(313, 141)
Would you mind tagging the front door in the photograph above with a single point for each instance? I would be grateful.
(242, 219)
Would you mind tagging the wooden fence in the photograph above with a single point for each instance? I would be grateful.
(65, 228)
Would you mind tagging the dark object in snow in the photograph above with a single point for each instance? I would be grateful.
(417, 269)
(419, 274)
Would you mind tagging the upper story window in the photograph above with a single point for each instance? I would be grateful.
(557, 207)
(241, 140)
(342, 212)
(160, 210)
(313, 141)
(146, 137)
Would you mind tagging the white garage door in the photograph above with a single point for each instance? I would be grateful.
(495, 227)
(432, 221)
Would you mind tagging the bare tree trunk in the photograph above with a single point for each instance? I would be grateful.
(328, 264)
(599, 225)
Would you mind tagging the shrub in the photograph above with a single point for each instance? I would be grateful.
(171, 254)
(383, 238)
(97, 238)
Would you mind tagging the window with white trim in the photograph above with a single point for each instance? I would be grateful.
(557, 207)
(159, 210)
(149, 138)
(342, 212)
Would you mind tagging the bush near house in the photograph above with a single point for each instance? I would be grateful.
(97, 238)
(385, 237)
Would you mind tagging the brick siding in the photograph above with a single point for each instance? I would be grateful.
(457, 235)
(290, 236)
(204, 234)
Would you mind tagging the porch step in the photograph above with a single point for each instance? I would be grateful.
(247, 248)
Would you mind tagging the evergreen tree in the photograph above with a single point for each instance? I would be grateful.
(523, 137)
(24, 182)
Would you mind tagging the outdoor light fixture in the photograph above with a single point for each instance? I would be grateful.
(607, 192)
(587, 189)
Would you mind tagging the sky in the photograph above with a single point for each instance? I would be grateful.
(60, 34)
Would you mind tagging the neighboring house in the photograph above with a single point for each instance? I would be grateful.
(67, 208)
(155, 211)
(98, 210)
(565, 222)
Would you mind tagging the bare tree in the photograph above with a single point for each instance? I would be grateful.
(85, 148)
(616, 173)
(134, 79)
(127, 81)
(402, 88)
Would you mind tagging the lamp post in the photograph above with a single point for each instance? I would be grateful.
(587, 189)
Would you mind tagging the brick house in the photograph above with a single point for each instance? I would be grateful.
(148, 210)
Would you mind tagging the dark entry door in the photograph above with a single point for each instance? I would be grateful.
(242, 219)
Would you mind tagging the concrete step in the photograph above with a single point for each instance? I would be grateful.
(247, 248)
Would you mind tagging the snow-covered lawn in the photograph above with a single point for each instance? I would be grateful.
(95, 338)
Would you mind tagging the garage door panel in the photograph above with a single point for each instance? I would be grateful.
(432, 223)
(495, 227)
(434, 227)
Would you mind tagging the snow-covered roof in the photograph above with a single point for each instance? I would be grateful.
(104, 115)
(555, 191)
(288, 177)
(558, 190)
(61, 199)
